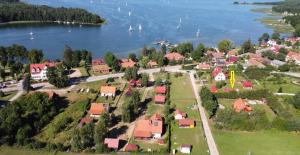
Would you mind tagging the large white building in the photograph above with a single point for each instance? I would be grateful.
(39, 71)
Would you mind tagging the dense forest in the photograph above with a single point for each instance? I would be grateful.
(292, 7)
(12, 10)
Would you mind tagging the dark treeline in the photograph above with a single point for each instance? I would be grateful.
(25, 12)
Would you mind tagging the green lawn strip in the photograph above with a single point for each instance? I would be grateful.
(75, 111)
(287, 87)
(8, 96)
(270, 142)
(192, 136)
(183, 97)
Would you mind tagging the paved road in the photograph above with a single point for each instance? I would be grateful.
(209, 137)
(293, 74)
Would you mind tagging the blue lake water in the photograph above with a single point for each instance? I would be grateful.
(159, 19)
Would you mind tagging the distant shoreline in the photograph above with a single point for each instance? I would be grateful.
(48, 22)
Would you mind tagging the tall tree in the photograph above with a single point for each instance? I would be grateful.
(68, 56)
(2, 74)
(57, 76)
(145, 79)
(112, 61)
(35, 56)
(133, 57)
(247, 47)
(199, 52)
(224, 45)
(101, 131)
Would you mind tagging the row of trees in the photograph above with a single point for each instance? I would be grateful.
(130, 108)
(74, 58)
(209, 101)
(25, 12)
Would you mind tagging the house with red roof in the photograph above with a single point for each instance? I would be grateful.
(131, 147)
(134, 83)
(241, 105)
(97, 109)
(293, 40)
(39, 71)
(213, 89)
(293, 56)
(112, 143)
(186, 123)
(203, 66)
(179, 115)
(127, 63)
(160, 99)
(161, 90)
(218, 74)
(247, 85)
(174, 56)
(96, 62)
(149, 128)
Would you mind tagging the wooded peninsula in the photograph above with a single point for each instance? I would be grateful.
(14, 10)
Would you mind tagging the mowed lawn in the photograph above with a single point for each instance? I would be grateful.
(269, 142)
(182, 95)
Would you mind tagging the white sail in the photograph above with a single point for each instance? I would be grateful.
(31, 33)
(198, 33)
(129, 13)
(119, 9)
(180, 20)
(140, 27)
(130, 28)
(126, 4)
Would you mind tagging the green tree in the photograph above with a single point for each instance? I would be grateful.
(185, 48)
(2, 74)
(247, 47)
(112, 61)
(225, 45)
(133, 57)
(101, 131)
(276, 36)
(57, 76)
(144, 61)
(296, 100)
(88, 58)
(3, 56)
(199, 52)
(145, 79)
(131, 73)
(68, 56)
(35, 56)
(264, 38)
(297, 31)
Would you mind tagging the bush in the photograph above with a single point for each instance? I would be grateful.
(2, 93)
(220, 84)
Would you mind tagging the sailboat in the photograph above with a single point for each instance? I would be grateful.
(31, 38)
(130, 29)
(31, 33)
(140, 27)
(69, 31)
(126, 4)
(119, 9)
(198, 33)
(180, 20)
(129, 13)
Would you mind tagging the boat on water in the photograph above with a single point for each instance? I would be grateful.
(31, 38)
(119, 9)
(140, 27)
(130, 29)
(129, 13)
(198, 33)
(31, 33)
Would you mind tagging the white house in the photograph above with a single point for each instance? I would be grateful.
(218, 74)
(185, 148)
(39, 71)
(179, 115)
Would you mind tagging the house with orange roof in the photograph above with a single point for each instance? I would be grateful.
(218, 74)
(127, 63)
(149, 128)
(108, 91)
(241, 105)
(253, 62)
(174, 56)
(213, 89)
(231, 53)
(203, 66)
(39, 71)
(186, 123)
(179, 115)
(152, 64)
(103, 68)
(97, 109)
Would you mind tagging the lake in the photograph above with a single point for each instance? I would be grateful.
(150, 20)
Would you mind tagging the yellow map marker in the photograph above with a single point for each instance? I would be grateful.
(232, 79)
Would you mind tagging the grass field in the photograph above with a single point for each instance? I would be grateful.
(181, 94)
(269, 142)
(19, 151)
(287, 86)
